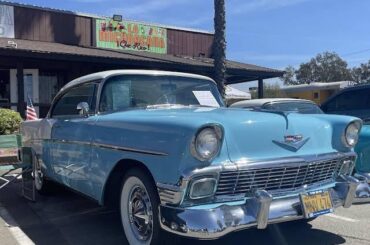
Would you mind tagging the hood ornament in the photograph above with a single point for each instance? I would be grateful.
(292, 142)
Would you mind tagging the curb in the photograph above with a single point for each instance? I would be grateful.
(18, 235)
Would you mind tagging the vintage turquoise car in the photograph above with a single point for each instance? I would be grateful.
(163, 146)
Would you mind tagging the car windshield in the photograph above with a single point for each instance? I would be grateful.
(146, 91)
(293, 106)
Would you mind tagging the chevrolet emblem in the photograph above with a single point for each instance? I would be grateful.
(292, 142)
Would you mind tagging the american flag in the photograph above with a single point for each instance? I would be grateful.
(31, 113)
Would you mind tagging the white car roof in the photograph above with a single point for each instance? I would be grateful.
(260, 102)
(105, 74)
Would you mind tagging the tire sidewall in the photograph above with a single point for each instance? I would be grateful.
(137, 178)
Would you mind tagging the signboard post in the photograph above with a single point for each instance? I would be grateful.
(6, 21)
(127, 35)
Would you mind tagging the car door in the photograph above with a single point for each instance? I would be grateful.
(71, 137)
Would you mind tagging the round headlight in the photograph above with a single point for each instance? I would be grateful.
(351, 134)
(207, 143)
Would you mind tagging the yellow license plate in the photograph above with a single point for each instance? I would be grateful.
(316, 203)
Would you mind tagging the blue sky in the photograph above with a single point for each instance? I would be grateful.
(272, 33)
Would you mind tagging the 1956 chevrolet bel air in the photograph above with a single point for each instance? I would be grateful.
(164, 147)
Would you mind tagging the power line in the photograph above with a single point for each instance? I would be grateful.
(357, 52)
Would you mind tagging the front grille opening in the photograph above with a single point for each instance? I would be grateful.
(277, 179)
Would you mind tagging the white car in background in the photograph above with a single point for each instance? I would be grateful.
(280, 104)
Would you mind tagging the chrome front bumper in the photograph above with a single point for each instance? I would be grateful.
(206, 222)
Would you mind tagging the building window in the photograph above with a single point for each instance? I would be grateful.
(49, 85)
(4, 88)
(316, 95)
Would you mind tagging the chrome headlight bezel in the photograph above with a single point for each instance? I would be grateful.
(203, 180)
(351, 134)
(218, 134)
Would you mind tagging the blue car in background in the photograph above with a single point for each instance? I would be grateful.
(163, 147)
(355, 101)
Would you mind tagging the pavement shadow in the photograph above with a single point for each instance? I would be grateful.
(68, 218)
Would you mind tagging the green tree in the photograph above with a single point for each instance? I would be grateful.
(361, 74)
(289, 77)
(219, 45)
(270, 91)
(325, 67)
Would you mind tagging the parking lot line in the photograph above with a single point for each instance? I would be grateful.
(14, 229)
(342, 218)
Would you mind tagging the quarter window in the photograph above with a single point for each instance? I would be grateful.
(67, 104)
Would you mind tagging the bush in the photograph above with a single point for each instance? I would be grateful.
(10, 121)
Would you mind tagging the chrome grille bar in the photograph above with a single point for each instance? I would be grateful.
(277, 179)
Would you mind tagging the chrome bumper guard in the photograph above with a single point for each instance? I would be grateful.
(363, 189)
(211, 223)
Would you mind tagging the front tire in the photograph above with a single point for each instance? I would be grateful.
(139, 204)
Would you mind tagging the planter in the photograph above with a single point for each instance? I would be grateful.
(10, 146)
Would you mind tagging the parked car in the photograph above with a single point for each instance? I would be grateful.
(164, 147)
(280, 104)
(355, 101)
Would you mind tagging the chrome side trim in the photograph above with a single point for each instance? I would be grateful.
(112, 147)
(135, 150)
(76, 142)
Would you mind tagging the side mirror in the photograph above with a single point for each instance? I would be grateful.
(83, 108)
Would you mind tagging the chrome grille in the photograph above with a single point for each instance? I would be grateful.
(277, 179)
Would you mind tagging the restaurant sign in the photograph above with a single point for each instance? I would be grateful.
(6, 21)
(128, 35)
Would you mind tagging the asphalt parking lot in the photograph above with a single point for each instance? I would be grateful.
(67, 218)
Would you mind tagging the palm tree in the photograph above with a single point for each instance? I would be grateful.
(219, 45)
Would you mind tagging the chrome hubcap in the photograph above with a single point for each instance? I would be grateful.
(38, 176)
(140, 213)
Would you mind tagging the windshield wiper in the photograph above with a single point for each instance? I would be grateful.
(202, 106)
(176, 106)
(164, 105)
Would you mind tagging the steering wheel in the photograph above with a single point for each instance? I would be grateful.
(163, 99)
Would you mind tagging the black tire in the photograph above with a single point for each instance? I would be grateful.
(139, 190)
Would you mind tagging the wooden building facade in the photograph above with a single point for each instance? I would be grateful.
(42, 49)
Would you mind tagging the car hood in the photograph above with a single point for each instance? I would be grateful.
(249, 135)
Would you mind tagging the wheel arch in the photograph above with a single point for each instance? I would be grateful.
(112, 187)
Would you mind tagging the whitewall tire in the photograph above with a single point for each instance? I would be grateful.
(139, 209)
